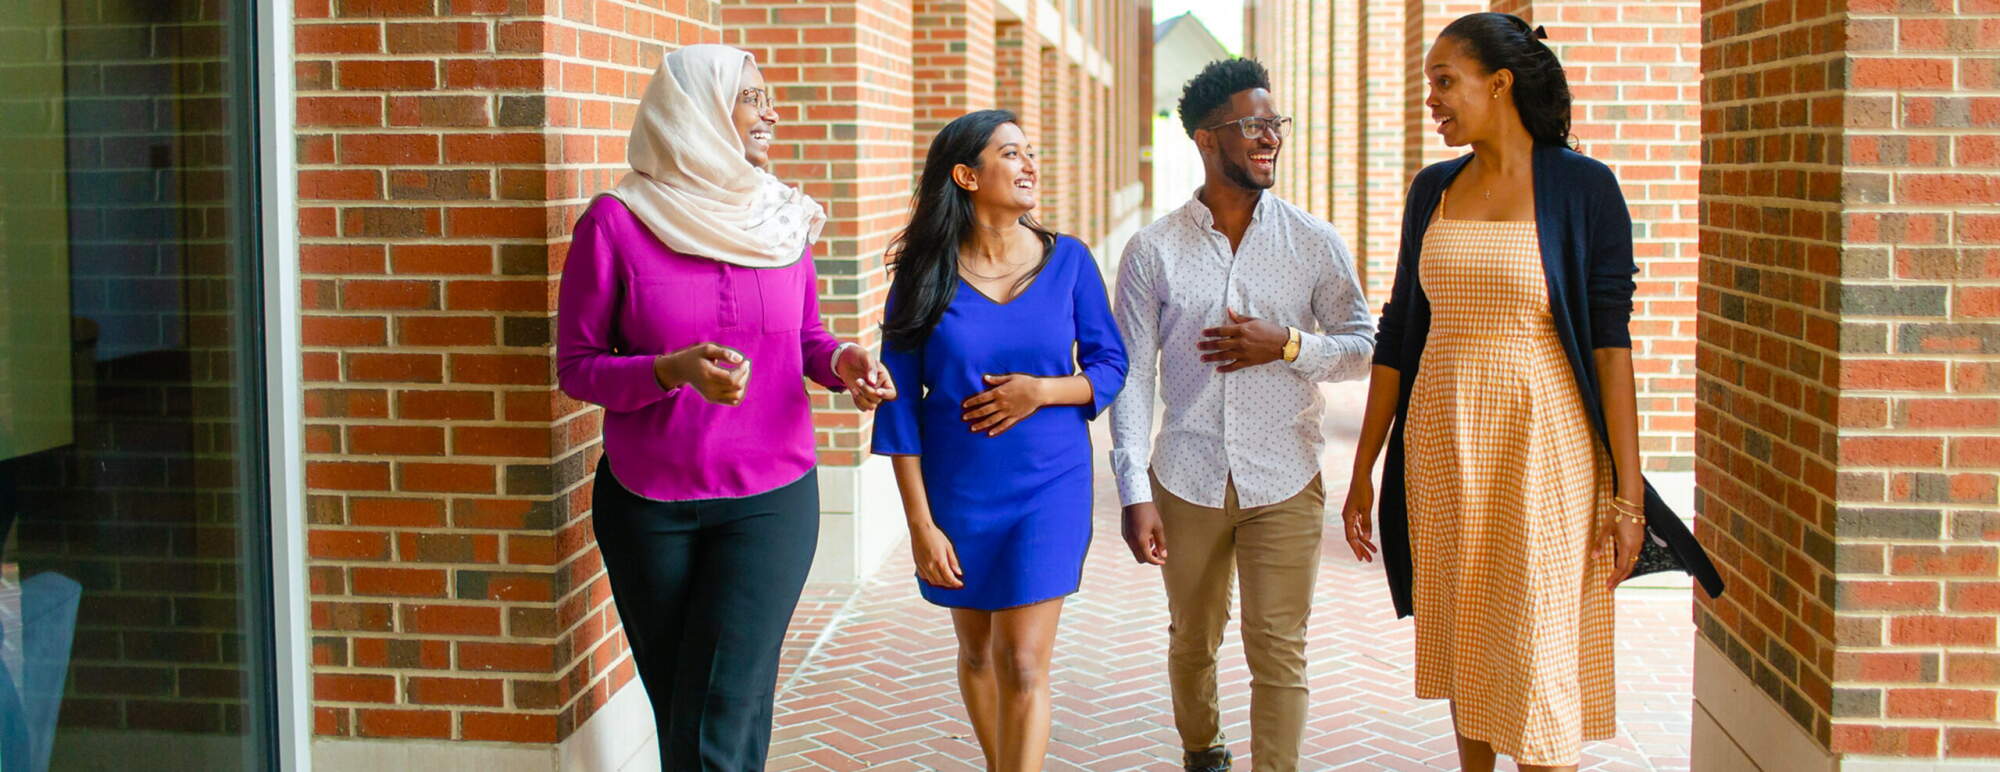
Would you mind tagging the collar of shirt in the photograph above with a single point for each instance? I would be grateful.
(1204, 217)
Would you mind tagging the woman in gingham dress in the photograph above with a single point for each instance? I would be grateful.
(1504, 360)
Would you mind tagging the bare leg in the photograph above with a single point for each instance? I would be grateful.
(976, 684)
(1534, 768)
(1023, 643)
(1473, 755)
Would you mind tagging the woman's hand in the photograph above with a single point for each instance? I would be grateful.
(867, 380)
(1354, 517)
(1621, 537)
(937, 562)
(1012, 398)
(701, 367)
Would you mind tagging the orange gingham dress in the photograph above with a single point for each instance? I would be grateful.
(1506, 480)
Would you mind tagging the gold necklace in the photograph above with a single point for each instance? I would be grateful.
(1009, 274)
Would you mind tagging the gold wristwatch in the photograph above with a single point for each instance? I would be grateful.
(1291, 352)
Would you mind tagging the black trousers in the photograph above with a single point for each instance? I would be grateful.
(705, 590)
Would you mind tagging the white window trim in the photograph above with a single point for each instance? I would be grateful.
(278, 194)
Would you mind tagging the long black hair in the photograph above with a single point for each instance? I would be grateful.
(1503, 41)
(925, 255)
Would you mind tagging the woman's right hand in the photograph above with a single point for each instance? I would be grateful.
(700, 367)
(1354, 517)
(937, 562)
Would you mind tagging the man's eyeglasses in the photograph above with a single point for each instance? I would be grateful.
(1254, 126)
(758, 99)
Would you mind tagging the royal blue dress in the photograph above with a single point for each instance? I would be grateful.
(1016, 507)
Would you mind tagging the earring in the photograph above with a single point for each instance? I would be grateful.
(1496, 95)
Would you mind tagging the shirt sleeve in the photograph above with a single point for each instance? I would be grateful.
(1345, 342)
(589, 366)
(1100, 349)
(1611, 266)
(897, 432)
(817, 347)
(1137, 312)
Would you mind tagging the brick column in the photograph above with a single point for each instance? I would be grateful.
(954, 62)
(1382, 130)
(444, 149)
(1422, 21)
(841, 73)
(1917, 537)
(1018, 70)
(1845, 382)
(1635, 75)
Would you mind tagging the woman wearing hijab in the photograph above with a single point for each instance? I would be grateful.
(689, 311)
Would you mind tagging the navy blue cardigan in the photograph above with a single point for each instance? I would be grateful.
(1586, 242)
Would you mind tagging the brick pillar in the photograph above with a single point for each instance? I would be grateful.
(444, 149)
(1383, 181)
(1422, 21)
(1845, 381)
(1058, 113)
(1917, 537)
(1140, 102)
(1634, 71)
(1018, 66)
(1343, 118)
(954, 62)
(841, 73)
(1314, 108)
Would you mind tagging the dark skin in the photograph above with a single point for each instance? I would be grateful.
(1474, 106)
(720, 374)
(1236, 170)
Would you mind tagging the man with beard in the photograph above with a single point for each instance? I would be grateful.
(1243, 304)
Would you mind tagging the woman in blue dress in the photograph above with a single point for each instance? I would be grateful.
(1000, 336)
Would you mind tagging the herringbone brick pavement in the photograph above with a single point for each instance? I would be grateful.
(868, 681)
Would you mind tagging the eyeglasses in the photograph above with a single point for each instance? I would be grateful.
(758, 99)
(1254, 126)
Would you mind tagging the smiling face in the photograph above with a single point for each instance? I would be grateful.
(754, 116)
(1007, 177)
(1248, 163)
(1462, 97)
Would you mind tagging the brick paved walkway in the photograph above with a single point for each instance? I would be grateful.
(868, 680)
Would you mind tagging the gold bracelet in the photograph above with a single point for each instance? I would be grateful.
(1622, 501)
(1620, 516)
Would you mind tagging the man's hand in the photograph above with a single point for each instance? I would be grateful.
(1244, 342)
(867, 380)
(1145, 534)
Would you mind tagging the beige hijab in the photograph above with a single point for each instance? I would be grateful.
(690, 184)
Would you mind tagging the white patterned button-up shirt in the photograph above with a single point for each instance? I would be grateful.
(1259, 426)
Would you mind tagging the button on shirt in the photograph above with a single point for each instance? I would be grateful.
(1259, 426)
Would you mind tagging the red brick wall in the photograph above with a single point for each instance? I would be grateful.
(954, 64)
(1422, 21)
(842, 76)
(1770, 362)
(1916, 533)
(444, 147)
(1635, 74)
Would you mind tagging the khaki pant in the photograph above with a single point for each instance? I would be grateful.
(1274, 550)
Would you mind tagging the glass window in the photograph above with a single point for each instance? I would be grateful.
(135, 612)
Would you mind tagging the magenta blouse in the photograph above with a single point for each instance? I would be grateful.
(626, 297)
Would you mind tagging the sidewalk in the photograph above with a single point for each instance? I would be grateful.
(868, 679)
